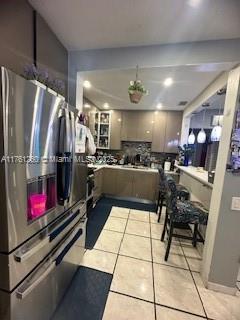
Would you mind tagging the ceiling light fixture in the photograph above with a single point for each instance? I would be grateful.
(106, 105)
(159, 106)
(168, 82)
(217, 130)
(191, 138)
(87, 106)
(194, 3)
(201, 137)
(87, 84)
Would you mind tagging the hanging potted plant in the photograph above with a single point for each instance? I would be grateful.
(136, 89)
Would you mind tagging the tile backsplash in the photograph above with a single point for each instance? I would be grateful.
(133, 148)
(129, 148)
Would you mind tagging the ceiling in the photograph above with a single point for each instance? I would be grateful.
(93, 24)
(188, 82)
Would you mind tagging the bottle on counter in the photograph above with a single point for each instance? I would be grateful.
(167, 164)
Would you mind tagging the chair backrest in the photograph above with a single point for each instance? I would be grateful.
(171, 195)
(162, 180)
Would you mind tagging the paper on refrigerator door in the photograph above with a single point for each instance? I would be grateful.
(80, 141)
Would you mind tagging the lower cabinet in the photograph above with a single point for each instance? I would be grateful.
(145, 185)
(130, 183)
(124, 183)
(109, 181)
(98, 184)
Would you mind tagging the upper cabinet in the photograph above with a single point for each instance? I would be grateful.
(102, 127)
(161, 128)
(129, 126)
(116, 123)
(159, 131)
(144, 125)
(137, 126)
(173, 131)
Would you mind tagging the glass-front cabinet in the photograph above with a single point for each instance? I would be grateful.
(102, 129)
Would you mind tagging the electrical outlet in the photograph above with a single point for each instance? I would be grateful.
(235, 203)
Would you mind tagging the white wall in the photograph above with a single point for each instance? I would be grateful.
(202, 52)
(221, 248)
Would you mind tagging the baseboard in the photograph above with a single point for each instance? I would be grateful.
(132, 199)
(220, 288)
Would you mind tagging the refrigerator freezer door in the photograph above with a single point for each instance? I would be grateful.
(29, 123)
(18, 264)
(39, 294)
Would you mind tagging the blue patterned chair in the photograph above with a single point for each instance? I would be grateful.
(182, 192)
(180, 214)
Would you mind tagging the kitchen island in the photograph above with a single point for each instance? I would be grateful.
(196, 180)
(135, 183)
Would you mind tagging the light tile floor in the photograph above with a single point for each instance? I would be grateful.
(144, 286)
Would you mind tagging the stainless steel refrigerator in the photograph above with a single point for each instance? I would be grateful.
(42, 199)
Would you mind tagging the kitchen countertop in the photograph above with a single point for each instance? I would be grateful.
(125, 167)
(201, 176)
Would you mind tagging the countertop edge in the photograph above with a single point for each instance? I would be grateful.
(191, 171)
(120, 167)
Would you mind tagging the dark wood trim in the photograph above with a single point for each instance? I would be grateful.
(35, 37)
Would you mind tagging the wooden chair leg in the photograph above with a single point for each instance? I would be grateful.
(158, 201)
(195, 233)
(164, 227)
(160, 210)
(169, 241)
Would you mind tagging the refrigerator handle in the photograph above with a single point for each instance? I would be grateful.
(69, 155)
(64, 167)
(68, 132)
(5, 100)
(22, 294)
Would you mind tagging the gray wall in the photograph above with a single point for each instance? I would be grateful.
(16, 34)
(197, 119)
(51, 54)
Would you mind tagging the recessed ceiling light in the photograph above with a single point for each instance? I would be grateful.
(106, 106)
(87, 84)
(159, 106)
(87, 106)
(168, 82)
(194, 3)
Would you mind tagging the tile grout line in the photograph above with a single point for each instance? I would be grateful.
(162, 264)
(133, 297)
(131, 234)
(182, 311)
(195, 283)
(116, 258)
(159, 304)
(154, 303)
(154, 294)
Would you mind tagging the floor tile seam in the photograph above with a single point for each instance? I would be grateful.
(183, 311)
(115, 262)
(196, 286)
(153, 279)
(158, 304)
(144, 260)
(123, 233)
(133, 297)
